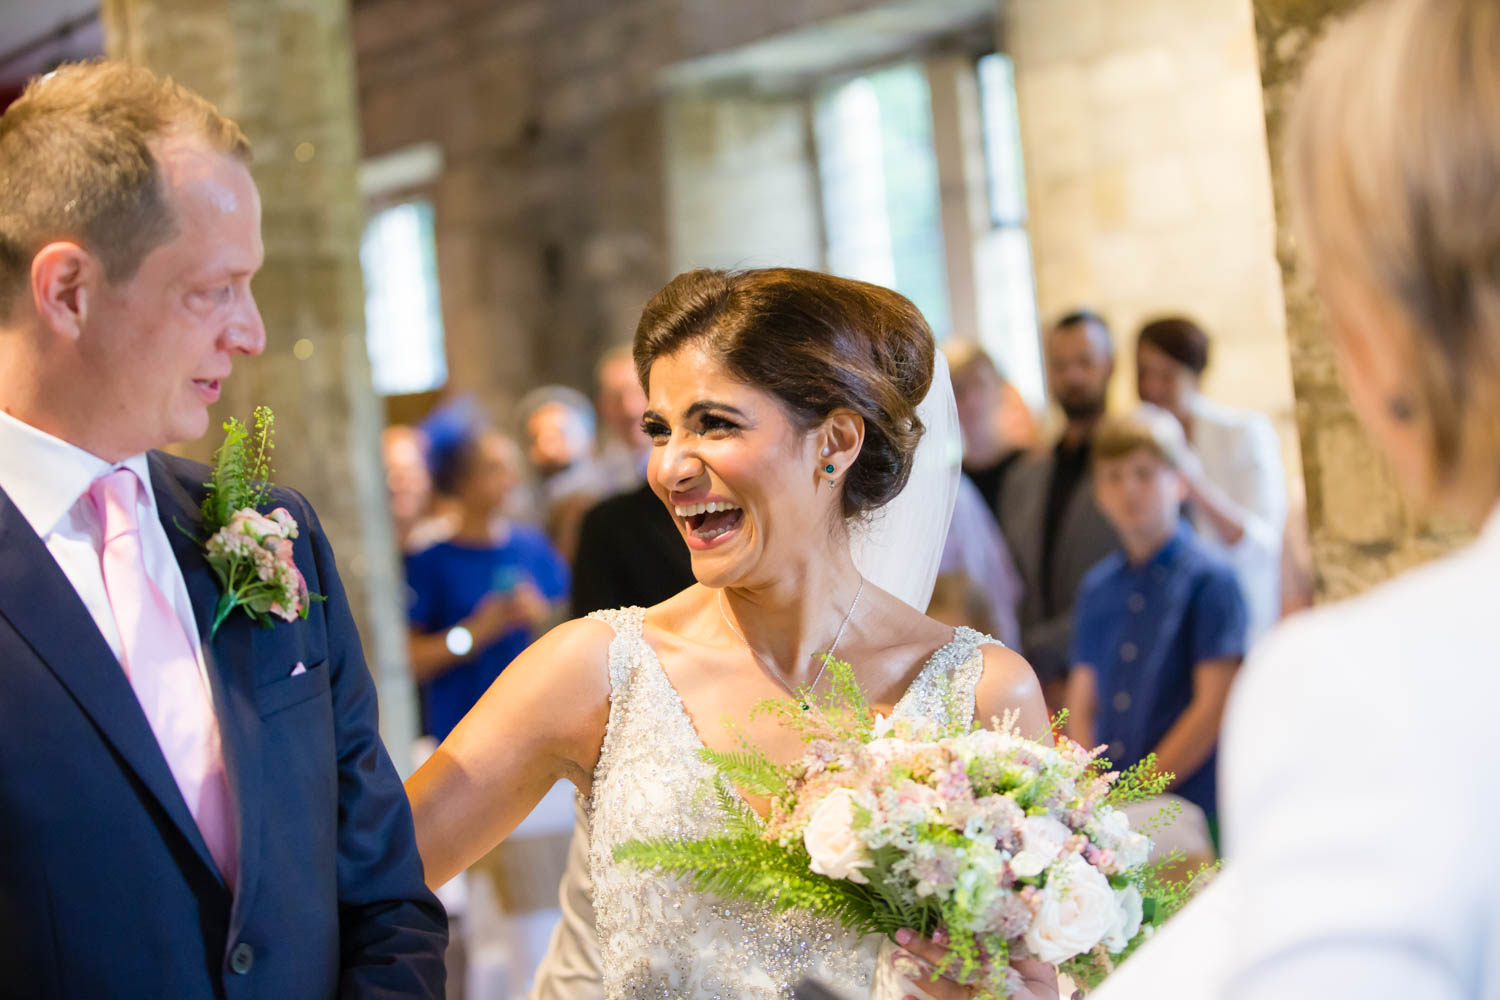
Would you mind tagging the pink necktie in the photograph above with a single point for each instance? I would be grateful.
(158, 658)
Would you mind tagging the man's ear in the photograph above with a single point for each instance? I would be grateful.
(839, 442)
(64, 277)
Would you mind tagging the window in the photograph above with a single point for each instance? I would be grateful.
(878, 172)
(1009, 323)
(403, 315)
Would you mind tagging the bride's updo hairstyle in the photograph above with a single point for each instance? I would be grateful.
(817, 343)
(1393, 164)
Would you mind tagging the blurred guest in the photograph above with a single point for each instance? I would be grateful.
(997, 424)
(409, 487)
(558, 423)
(958, 599)
(559, 427)
(1361, 731)
(623, 445)
(1236, 490)
(976, 551)
(482, 596)
(1159, 628)
(1047, 510)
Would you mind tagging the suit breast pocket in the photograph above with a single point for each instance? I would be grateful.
(298, 686)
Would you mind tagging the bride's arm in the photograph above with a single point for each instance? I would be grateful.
(542, 720)
(1008, 684)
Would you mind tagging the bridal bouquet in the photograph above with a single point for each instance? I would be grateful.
(1014, 848)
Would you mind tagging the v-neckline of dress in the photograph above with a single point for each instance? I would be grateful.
(936, 657)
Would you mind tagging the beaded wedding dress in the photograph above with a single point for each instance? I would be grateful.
(657, 937)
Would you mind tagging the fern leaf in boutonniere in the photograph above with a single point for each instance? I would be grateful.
(251, 552)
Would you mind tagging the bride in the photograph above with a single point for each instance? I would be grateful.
(782, 412)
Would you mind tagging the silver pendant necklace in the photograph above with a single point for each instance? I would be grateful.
(771, 667)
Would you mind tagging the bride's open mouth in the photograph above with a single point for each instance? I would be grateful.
(707, 522)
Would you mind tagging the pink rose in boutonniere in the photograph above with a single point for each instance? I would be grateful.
(251, 552)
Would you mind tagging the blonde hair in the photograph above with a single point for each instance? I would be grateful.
(1393, 164)
(76, 162)
(1148, 429)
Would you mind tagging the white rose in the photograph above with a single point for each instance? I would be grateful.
(1042, 839)
(1133, 851)
(1072, 914)
(1127, 919)
(835, 848)
(1109, 826)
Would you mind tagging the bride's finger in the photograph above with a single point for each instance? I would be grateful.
(922, 974)
(1040, 977)
(931, 950)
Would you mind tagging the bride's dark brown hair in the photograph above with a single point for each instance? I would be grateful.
(817, 343)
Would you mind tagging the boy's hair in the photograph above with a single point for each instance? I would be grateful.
(1149, 429)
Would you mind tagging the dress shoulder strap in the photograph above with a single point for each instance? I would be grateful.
(626, 644)
(968, 665)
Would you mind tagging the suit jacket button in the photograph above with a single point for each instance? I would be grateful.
(241, 959)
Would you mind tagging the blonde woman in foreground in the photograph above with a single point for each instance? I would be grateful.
(1358, 769)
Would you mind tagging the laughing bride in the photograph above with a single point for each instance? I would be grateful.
(783, 415)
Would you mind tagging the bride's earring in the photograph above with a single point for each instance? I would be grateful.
(829, 470)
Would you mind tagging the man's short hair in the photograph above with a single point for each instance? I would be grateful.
(556, 395)
(76, 163)
(1087, 317)
(1148, 429)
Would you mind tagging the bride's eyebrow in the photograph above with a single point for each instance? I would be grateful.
(703, 406)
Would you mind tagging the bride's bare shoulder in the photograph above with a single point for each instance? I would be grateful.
(1008, 684)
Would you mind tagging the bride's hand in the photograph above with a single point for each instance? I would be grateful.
(920, 956)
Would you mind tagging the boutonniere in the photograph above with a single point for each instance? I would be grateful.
(251, 552)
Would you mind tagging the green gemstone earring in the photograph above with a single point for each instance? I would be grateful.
(828, 469)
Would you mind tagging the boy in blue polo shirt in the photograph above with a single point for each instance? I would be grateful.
(1159, 626)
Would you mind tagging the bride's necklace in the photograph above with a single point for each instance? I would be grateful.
(771, 667)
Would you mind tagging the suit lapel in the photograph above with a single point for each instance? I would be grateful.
(40, 603)
(229, 670)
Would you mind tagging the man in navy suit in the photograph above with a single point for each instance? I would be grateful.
(181, 815)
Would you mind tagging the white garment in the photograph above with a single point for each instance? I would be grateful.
(1360, 805)
(659, 938)
(1242, 456)
(899, 547)
(47, 479)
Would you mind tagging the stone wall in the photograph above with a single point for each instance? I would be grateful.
(1361, 530)
(1149, 189)
(557, 212)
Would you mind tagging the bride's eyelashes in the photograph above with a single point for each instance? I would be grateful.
(707, 424)
(656, 430)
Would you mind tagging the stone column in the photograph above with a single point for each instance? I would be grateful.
(284, 70)
(1361, 530)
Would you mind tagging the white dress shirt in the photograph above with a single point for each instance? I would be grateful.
(48, 481)
(1242, 456)
(1361, 805)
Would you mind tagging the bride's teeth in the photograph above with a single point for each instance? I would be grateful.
(694, 509)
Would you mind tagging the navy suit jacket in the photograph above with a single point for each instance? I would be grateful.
(106, 886)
